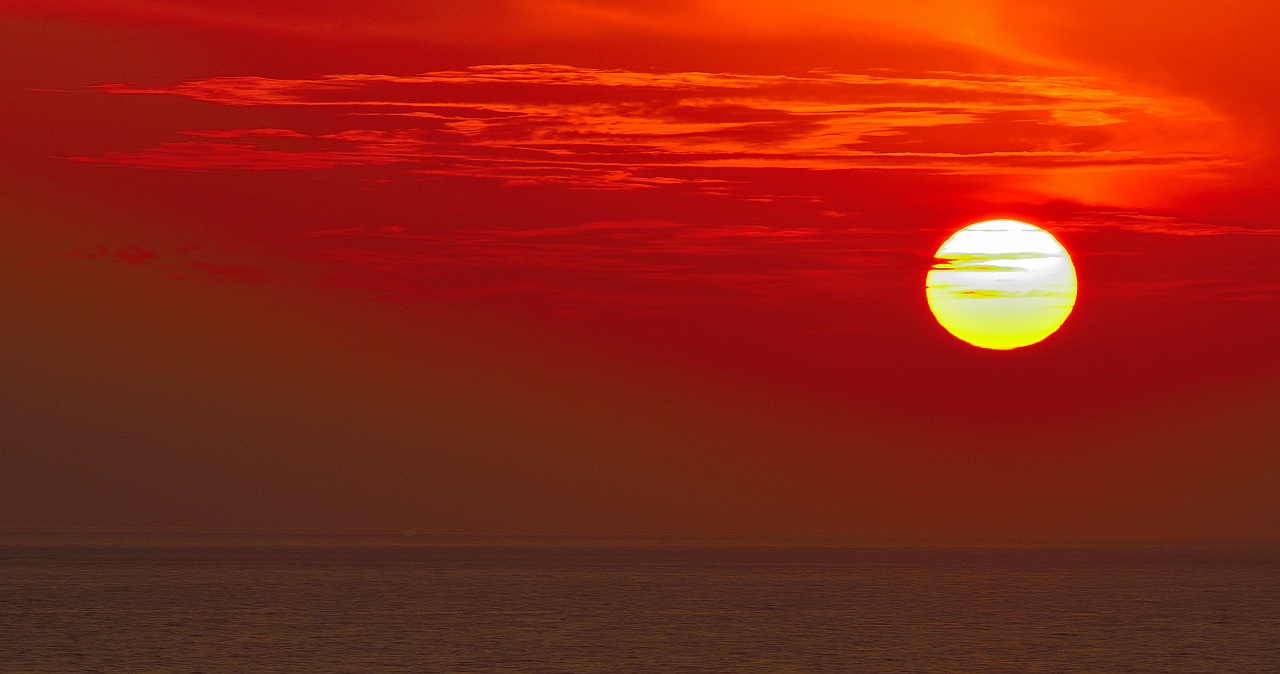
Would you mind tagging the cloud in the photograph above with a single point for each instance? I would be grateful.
(560, 126)
(1150, 223)
(192, 156)
(624, 265)
(619, 129)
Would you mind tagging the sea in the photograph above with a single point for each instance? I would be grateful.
(429, 604)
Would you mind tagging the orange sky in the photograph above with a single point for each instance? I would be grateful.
(603, 266)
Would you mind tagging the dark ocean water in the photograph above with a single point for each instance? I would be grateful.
(635, 608)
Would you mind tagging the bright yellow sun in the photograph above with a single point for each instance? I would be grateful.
(1002, 284)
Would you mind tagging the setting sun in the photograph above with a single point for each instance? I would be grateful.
(1002, 284)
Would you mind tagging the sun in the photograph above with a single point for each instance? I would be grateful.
(1002, 284)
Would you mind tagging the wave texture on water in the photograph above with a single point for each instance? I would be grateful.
(635, 608)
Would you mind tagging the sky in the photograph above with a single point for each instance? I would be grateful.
(624, 267)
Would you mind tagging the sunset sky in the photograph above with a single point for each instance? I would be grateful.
(633, 267)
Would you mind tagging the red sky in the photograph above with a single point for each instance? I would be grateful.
(604, 266)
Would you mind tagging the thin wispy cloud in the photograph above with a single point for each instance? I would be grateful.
(560, 127)
(620, 129)
(626, 265)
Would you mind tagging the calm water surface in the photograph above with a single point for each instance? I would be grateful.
(634, 608)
